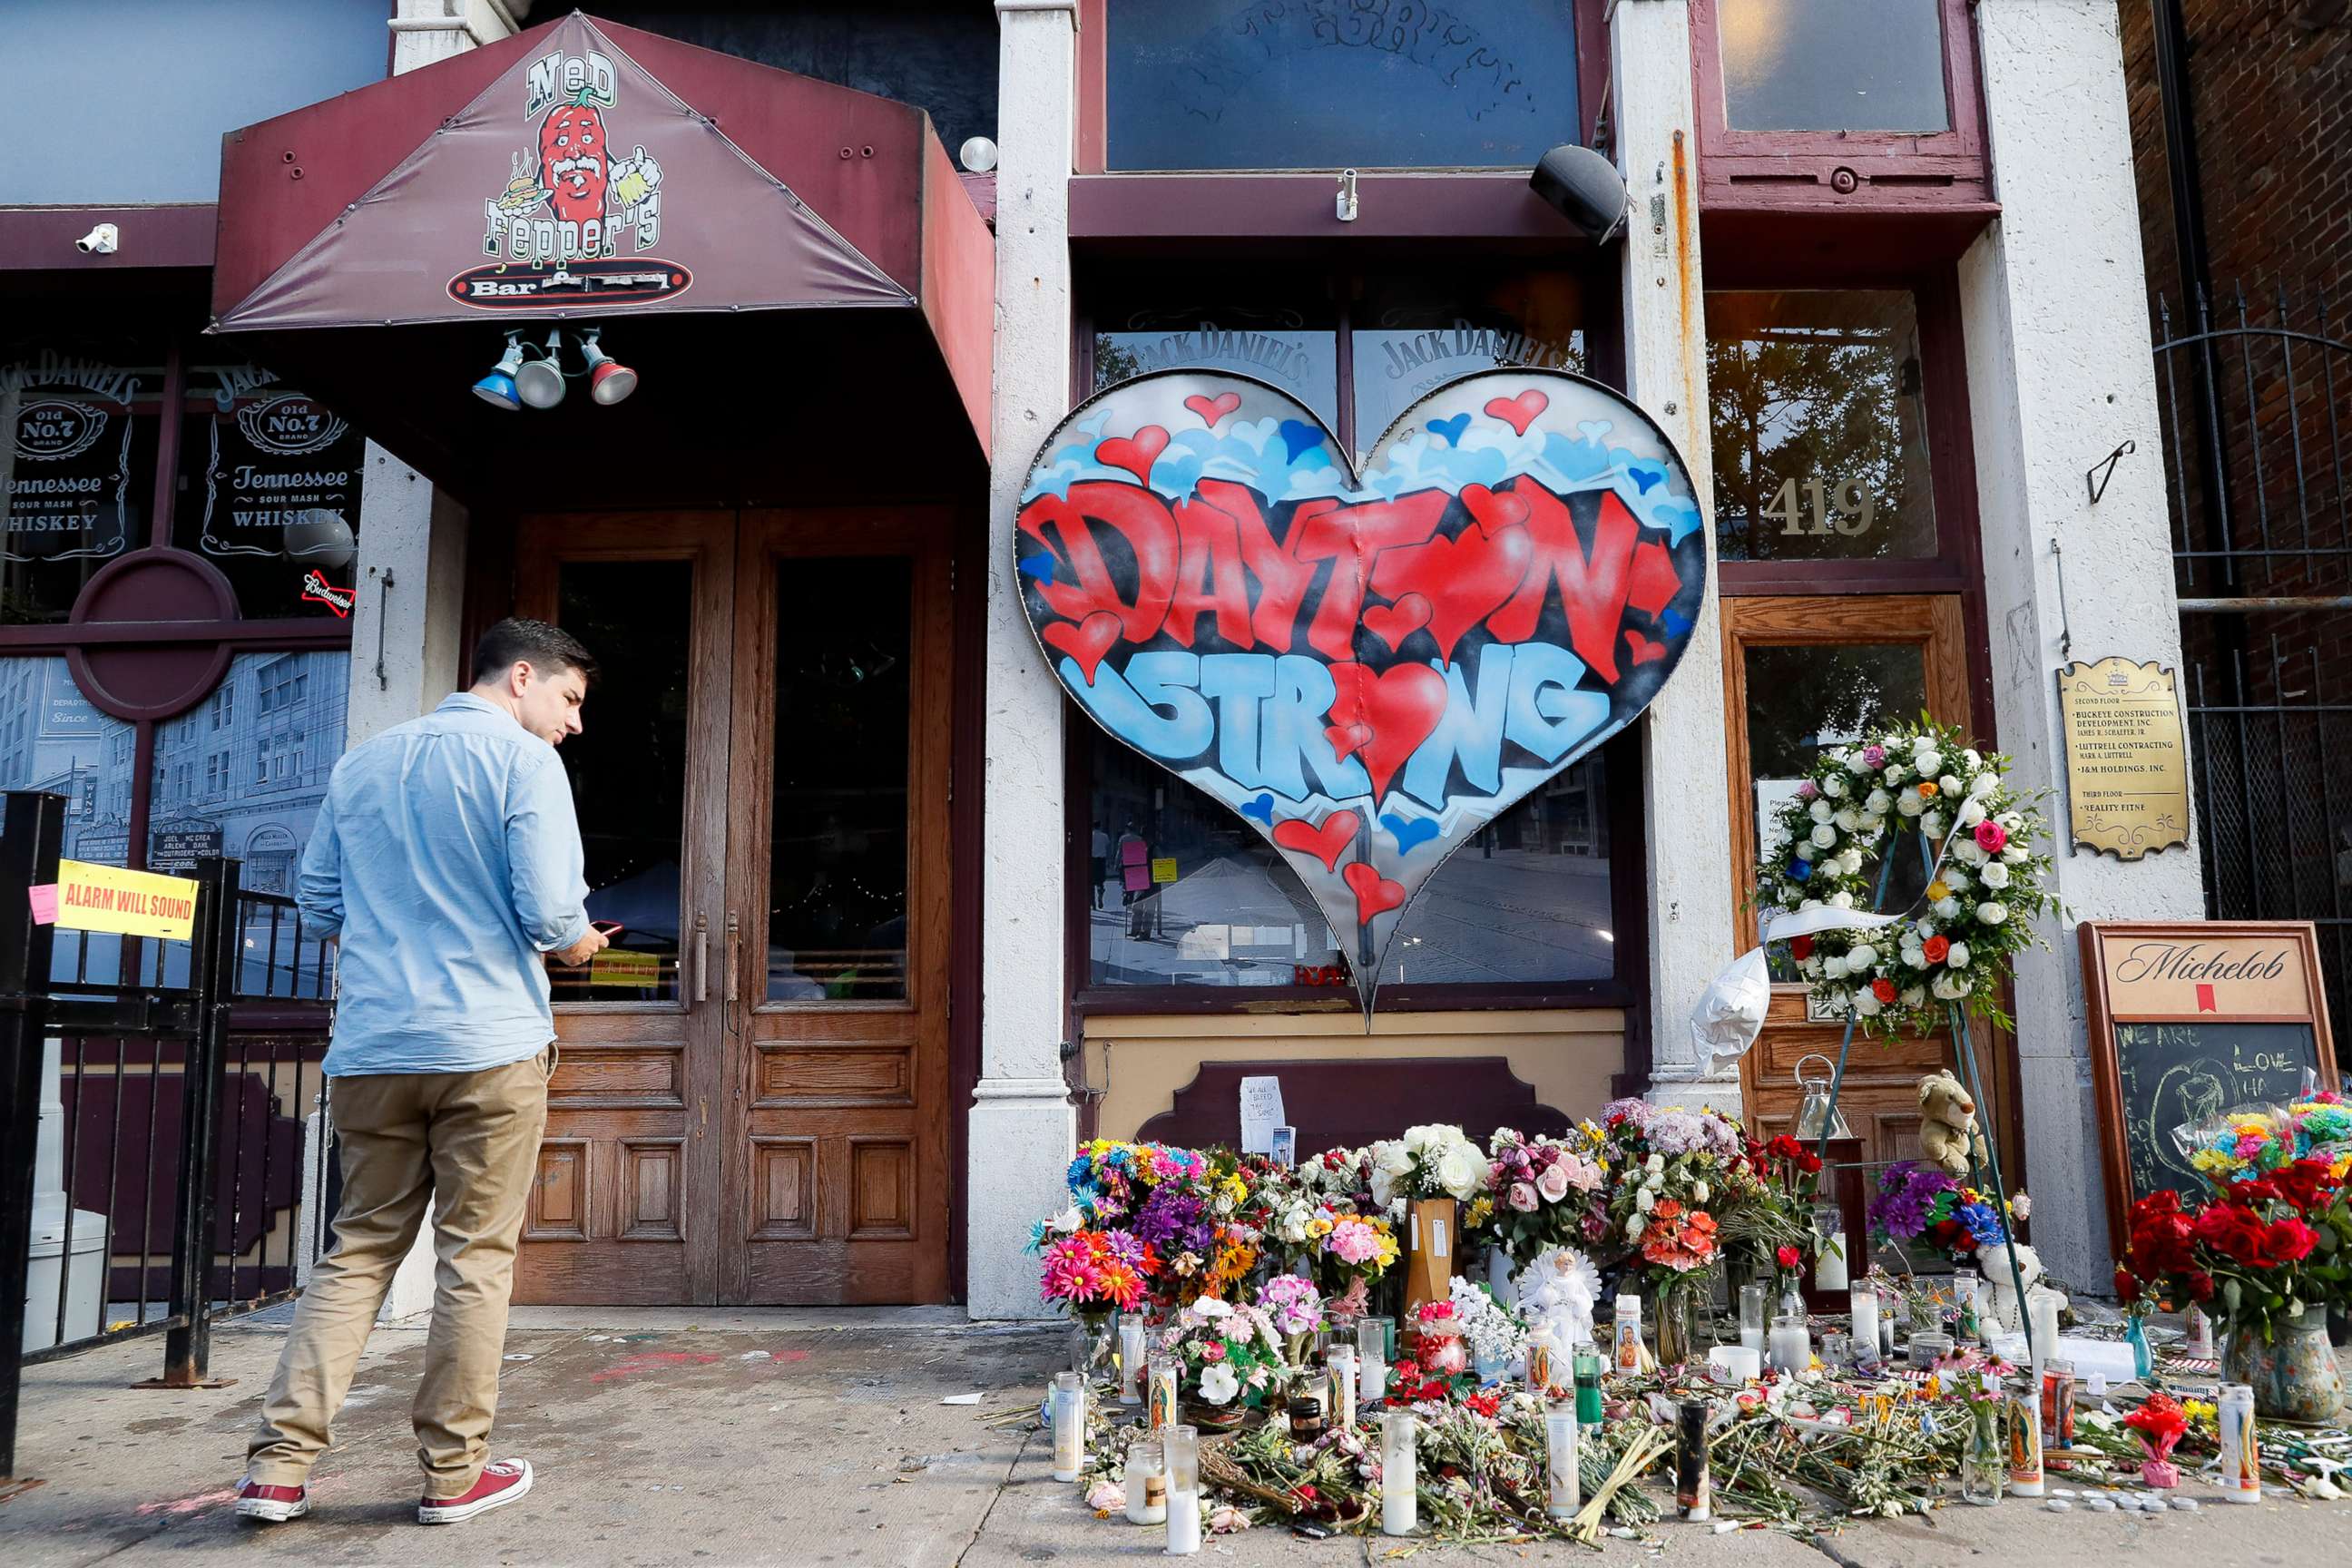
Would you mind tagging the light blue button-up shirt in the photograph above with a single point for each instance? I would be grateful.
(447, 857)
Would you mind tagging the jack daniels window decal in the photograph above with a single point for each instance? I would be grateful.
(276, 477)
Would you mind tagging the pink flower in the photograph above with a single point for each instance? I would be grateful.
(1553, 1183)
(1353, 1241)
(1991, 836)
(1522, 1197)
(1875, 756)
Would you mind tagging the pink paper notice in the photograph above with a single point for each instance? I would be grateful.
(45, 903)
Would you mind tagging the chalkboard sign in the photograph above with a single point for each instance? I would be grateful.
(2189, 1019)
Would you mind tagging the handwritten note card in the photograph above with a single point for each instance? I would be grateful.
(1261, 1113)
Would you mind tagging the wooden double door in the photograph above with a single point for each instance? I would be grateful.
(751, 1101)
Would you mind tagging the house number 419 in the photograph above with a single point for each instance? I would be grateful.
(1848, 509)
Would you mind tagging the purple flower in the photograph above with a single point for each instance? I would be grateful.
(1171, 1219)
(1875, 756)
(1636, 1111)
(1906, 1196)
(1809, 790)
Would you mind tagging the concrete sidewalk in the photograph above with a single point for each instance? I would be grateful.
(724, 1437)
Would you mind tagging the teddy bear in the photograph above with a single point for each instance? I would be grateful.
(1948, 1124)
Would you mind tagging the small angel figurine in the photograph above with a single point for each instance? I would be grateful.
(1557, 1291)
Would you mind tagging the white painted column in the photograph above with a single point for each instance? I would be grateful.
(411, 575)
(2054, 305)
(1023, 1126)
(1690, 898)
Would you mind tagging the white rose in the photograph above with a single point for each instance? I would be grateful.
(1841, 1001)
(1965, 850)
(1645, 1200)
(2012, 821)
(1808, 904)
(1699, 1191)
(2013, 855)
(1457, 1172)
(1824, 837)
(1957, 880)
(1983, 786)
(1834, 786)
(1834, 967)
(1812, 968)
(1850, 861)
(1913, 996)
(1896, 773)
(1950, 783)
(1871, 825)
(1951, 986)
(1389, 1155)
(1841, 900)
(1218, 1384)
(1878, 802)
(1972, 812)
(1866, 1004)
(1958, 958)
(1970, 759)
(1634, 1227)
(1862, 957)
(1945, 908)
(1908, 806)
(1655, 1165)
(1853, 762)
(1847, 819)
(1932, 823)
(1994, 876)
(1993, 914)
(1819, 810)
(1928, 761)
(1926, 929)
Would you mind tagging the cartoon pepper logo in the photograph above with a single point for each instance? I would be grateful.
(572, 162)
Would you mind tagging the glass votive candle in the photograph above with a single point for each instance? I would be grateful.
(1183, 1446)
(1837, 1350)
(1929, 1348)
(1792, 1349)
(1863, 1302)
(1753, 1297)
(1145, 1479)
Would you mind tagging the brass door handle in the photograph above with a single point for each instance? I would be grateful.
(734, 945)
(701, 958)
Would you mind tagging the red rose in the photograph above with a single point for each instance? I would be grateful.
(1788, 1258)
(2235, 1234)
(2126, 1287)
(1801, 948)
(1991, 836)
(2306, 1184)
(1936, 948)
(1883, 988)
(2291, 1240)
(2201, 1285)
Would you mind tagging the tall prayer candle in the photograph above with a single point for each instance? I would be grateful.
(1399, 1474)
(1184, 1447)
(1563, 1485)
(1864, 1301)
(1068, 1406)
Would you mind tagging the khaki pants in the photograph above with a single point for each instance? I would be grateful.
(468, 1144)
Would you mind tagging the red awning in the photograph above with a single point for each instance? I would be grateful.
(774, 255)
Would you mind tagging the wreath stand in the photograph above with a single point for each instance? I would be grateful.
(1964, 1048)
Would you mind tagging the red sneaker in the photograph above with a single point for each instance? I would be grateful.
(502, 1481)
(272, 1505)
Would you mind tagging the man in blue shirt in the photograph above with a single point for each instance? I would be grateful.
(446, 862)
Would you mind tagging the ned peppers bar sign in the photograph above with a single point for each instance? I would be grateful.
(1368, 668)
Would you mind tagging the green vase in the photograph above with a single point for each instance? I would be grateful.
(2294, 1373)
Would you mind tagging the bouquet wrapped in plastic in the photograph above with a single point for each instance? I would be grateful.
(2256, 1139)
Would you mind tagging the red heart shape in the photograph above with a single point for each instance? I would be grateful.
(1394, 623)
(1346, 739)
(1519, 412)
(1643, 649)
(1213, 409)
(1375, 894)
(1401, 706)
(1134, 452)
(1086, 641)
(1494, 511)
(1326, 843)
(1466, 578)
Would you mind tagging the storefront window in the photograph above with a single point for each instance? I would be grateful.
(1817, 425)
(1801, 698)
(1180, 891)
(1833, 65)
(1411, 337)
(242, 772)
(1289, 341)
(53, 739)
(77, 468)
(270, 490)
(1316, 84)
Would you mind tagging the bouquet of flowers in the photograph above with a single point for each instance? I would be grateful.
(1093, 1271)
(1547, 1193)
(1182, 1211)
(1921, 1201)
(1764, 1209)
(1311, 1215)
(2161, 1423)
(1433, 1160)
(1666, 1168)
(2267, 1246)
(1495, 1332)
(1294, 1308)
(1227, 1354)
(2256, 1139)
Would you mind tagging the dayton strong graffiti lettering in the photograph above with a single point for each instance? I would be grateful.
(1369, 669)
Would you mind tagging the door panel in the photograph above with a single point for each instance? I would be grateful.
(838, 946)
(629, 1167)
(1799, 673)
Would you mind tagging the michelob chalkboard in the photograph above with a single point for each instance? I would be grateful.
(2188, 1019)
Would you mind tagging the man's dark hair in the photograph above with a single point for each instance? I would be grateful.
(550, 649)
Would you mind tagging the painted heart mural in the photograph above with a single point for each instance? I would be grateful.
(1369, 668)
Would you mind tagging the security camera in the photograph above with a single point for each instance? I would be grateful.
(1586, 189)
(100, 241)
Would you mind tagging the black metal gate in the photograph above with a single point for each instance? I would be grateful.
(187, 1194)
(2256, 402)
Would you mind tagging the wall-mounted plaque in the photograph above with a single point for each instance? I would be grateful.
(2126, 761)
(2188, 1019)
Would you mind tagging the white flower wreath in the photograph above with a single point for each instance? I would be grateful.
(1866, 799)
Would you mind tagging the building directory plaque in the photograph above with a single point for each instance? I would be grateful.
(2126, 761)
